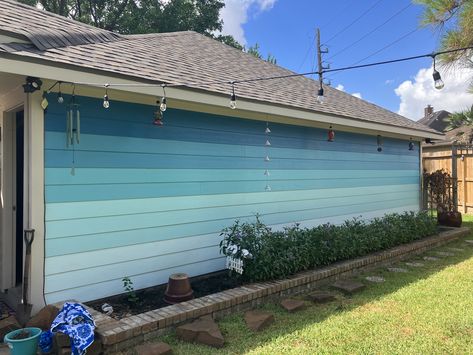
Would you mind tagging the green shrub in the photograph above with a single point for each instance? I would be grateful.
(271, 254)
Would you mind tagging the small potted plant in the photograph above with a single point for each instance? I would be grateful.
(439, 185)
(23, 341)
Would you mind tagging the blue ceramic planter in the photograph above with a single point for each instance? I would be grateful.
(27, 346)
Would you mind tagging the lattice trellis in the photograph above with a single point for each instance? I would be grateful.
(235, 264)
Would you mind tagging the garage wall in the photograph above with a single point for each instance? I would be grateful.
(148, 201)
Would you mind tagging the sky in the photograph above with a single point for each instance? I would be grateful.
(352, 31)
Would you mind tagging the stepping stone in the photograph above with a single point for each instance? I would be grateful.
(321, 297)
(456, 249)
(444, 254)
(430, 258)
(348, 286)
(469, 241)
(154, 349)
(292, 305)
(375, 279)
(414, 264)
(397, 269)
(203, 330)
(258, 320)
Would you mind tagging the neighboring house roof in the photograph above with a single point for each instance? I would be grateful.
(436, 120)
(184, 57)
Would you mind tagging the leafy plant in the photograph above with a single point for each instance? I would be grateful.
(268, 254)
(131, 295)
(439, 186)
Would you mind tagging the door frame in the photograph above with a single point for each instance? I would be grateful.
(8, 192)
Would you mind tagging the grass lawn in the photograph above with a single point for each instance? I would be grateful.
(428, 310)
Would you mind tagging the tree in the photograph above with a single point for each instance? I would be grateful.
(144, 16)
(254, 50)
(459, 119)
(455, 19)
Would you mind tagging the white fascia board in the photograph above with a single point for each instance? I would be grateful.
(202, 101)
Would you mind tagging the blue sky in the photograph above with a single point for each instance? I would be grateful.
(285, 28)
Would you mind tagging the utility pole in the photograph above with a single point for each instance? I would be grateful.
(320, 51)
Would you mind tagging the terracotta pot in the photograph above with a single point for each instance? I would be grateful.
(450, 219)
(178, 289)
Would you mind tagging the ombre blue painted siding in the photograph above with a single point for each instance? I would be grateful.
(148, 201)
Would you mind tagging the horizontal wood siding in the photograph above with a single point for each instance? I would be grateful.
(147, 201)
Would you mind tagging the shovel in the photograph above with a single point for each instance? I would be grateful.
(23, 312)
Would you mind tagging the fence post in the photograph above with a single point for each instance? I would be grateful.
(455, 177)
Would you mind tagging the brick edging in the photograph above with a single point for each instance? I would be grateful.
(119, 334)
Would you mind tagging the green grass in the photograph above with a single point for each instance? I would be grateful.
(428, 310)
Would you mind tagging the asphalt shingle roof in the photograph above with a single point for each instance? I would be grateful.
(189, 57)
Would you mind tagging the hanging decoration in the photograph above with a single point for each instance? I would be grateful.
(330, 134)
(73, 127)
(267, 145)
(379, 142)
(233, 97)
(44, 101)
(158, 115)
(60, 98)
(163, 106)
(106, 101)
(411, 145)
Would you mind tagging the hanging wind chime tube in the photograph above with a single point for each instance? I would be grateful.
(267, 145)
(73, 127)
(379, 143)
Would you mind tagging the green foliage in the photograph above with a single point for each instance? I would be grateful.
(131, 295)
(271, 254)
(454, 18)
(461, 118)
(255, 51)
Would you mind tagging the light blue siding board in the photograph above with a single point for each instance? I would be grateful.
(87, 209)
(71, 245)
(138, 186)
(62, 193)
(165, 147)
(58, 229)
(62, 176)
(81, 261)
(113, 287)
(104, 273)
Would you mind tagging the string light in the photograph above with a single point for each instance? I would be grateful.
(163, 105)
(106, 102)
(320, 96)
(379, 142)
(330, 135)
(438, 82)
(60, 98)
(233, 97)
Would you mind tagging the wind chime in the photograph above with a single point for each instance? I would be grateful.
(267, 145)
(73, 127)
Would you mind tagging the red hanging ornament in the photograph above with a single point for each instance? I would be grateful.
(331, 135)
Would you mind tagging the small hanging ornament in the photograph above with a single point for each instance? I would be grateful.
(267, 188)
(330, 135)
(379, 142)
(158, 115)
(268, 143)
(411, 145)
(266, 173)
(44, 101)
(267, 158)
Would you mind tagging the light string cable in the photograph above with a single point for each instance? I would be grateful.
(265, 78)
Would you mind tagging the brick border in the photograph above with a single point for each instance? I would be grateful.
(117, 335)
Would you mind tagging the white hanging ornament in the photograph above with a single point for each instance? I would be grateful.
(268, 143)
(267, 130)
(267, 159)
(267, 188)
(266, 173)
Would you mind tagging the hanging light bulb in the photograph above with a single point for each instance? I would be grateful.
(233, 97)
(60, 98)
(158, 115)
(379, 141)
(330, 135)
(106, 101)
(438, 82)
(320, 96)
(163, 105)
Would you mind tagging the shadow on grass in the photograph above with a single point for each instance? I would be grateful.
(239, 339)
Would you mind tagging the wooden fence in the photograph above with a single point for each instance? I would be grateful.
(441, 157)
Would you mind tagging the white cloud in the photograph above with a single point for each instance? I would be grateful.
(340, 87)
(389, 81)
(357, 94)
(418, 93)
(235, 15)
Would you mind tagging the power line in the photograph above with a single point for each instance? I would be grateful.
(385, 47)
(372, 31)
(353, 22)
